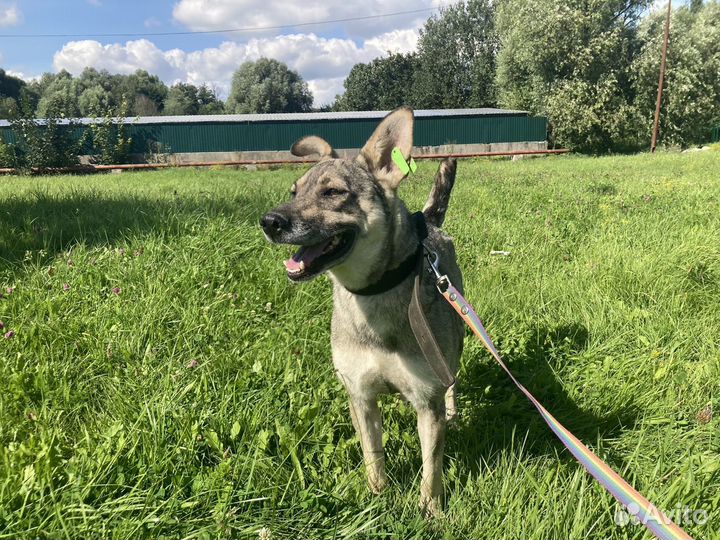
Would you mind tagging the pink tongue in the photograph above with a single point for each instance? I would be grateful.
(306, 254)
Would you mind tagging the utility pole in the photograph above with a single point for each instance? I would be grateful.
(656, 126)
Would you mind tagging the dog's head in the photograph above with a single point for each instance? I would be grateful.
(340, 210)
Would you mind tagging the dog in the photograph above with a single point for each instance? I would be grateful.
(347, 218)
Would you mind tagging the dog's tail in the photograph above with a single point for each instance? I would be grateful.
(437, 203)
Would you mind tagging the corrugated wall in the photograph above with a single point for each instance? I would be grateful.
(344, 133)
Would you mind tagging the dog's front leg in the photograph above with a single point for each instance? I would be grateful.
(367, 420)
(431, 428)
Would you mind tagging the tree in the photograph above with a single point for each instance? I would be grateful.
(691, 101)
(10, 91)
(95, 101)
(186, 98)
(571, 60)
(383, 84)
(10, 86)
(456, 57)
(209, 102)
(146, 93)
(181, 99)
(59, 98)
(268, 86)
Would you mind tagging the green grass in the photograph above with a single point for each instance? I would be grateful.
(180, 387)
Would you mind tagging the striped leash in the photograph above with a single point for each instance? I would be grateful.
(646, 512)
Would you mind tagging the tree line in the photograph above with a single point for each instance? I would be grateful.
(263, 86)
(590, 66)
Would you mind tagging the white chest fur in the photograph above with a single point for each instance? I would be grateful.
(363, 361)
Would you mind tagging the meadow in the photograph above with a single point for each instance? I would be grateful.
(160, 378)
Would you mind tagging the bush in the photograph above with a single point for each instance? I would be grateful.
(47, 143)
(7, 155)
(109, 144)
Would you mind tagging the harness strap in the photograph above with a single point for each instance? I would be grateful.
(424, 334)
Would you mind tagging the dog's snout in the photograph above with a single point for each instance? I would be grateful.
(274, 223)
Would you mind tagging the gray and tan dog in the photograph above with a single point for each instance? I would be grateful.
(349, 221)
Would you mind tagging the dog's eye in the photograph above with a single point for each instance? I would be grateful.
(333, 192)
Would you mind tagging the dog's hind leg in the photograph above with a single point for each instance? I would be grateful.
(431, 428)
(367, 420)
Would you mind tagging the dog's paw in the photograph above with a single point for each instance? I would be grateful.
(431, 507)
(377, 482)
(451, 408)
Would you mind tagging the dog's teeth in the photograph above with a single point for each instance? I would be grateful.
(298, 270)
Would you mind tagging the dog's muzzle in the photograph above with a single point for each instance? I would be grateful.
(274, 224)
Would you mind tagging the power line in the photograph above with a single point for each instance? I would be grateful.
(224, 31)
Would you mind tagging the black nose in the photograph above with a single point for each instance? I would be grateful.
(273, 223)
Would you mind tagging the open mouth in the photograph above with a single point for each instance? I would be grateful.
(312, 260)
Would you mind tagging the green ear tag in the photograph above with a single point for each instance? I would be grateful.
(403, 165)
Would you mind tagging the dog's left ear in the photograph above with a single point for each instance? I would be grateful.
(396, 130)
(313, 144)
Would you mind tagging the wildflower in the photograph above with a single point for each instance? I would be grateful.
(10, 290)
(268, 307)
(193, 363)
(66, 286)
(705, 415)
(9, 335)
(116, 290)
(264, 534)
(70, 262)
(2, 325)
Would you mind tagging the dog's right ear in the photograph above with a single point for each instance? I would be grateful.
(307, 146)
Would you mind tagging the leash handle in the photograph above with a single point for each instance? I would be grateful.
(648, 514)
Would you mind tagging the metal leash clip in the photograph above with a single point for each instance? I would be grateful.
(442, 282)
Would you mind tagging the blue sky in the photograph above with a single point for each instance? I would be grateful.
(35, 55)
(323, 54)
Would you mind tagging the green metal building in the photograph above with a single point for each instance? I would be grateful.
(343, 130)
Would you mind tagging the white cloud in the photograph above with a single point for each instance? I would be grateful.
(152, 22)
(225, 14)
(140, 54)
(24, 76)
(10, 14)
(322, 62)
(325, 90)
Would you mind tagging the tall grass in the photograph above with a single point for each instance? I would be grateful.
(162, 379)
